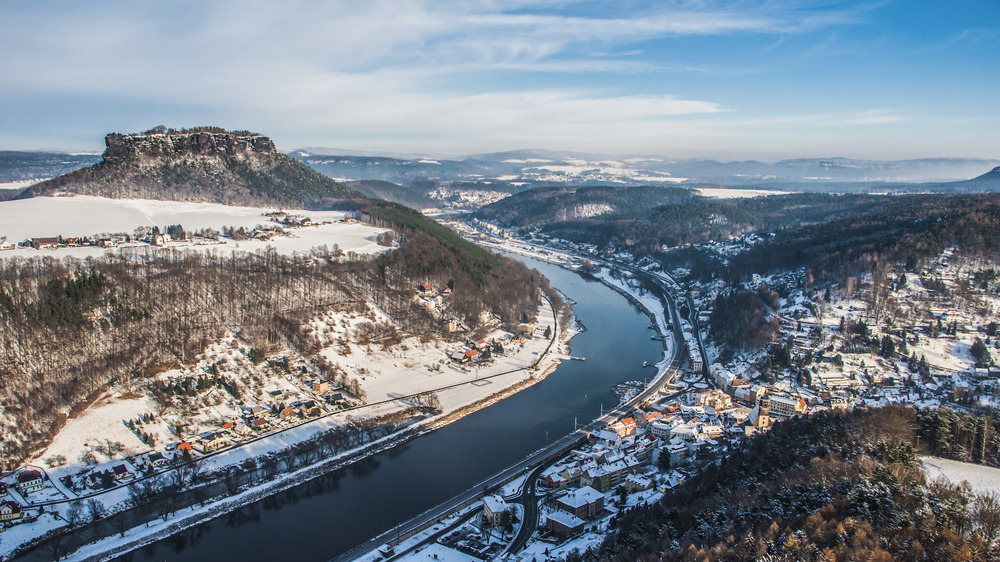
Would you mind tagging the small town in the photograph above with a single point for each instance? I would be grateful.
(941, 356)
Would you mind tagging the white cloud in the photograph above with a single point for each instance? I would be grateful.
(439, 76)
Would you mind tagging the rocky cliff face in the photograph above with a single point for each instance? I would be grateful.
(207, 164)
(121, 146)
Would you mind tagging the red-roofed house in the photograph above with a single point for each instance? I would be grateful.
(29, 481)
(629, 424)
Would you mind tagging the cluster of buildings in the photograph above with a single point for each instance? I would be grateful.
(654, 448)
(12, 497)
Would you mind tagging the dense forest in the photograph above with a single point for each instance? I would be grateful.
(554, 205)
(834, 236)
(836, 486)
(68, 328)
(906, 230)
(643, 219)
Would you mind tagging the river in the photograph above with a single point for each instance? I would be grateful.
(332, 513)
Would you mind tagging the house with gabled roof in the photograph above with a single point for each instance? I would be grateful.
(156, 460)
(496, 511)
(121, 472)
(10, 511)
(584, 502)
(30, 481)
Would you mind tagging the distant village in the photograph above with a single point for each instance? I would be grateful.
(277, 225)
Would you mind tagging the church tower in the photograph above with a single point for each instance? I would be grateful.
(764, 417)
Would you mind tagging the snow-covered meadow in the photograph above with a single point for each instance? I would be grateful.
(83, 215)
(737, 193)
(982, 479)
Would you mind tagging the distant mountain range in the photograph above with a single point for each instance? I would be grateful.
(16, 166)
(538, 167)
(417, 181)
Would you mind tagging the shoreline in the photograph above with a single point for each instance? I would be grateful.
(557, 351)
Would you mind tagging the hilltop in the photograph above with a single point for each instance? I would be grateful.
(203, 164)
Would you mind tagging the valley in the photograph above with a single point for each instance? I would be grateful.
(343, 335)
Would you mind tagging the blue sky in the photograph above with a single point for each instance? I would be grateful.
(729, 80)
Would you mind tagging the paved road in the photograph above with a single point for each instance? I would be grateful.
(538, 459)
(529, 521)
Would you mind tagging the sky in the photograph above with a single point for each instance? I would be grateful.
(731, 80)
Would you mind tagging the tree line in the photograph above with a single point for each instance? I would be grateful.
(836, 486)
(70, 328)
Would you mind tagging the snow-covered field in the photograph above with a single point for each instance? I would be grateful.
(405, 369)
(982, 479)
(727, 193)
(83, 215)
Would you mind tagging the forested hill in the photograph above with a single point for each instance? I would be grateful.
(204, 164)
(836, 486)
(898, 229)
(830, 234)
(558, 204)
(71, 328)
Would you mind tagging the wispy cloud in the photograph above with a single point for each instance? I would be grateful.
(433, 75)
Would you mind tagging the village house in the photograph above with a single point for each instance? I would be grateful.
(156, 460)
(678, 451)
(10, 511)
(563, 525)
(288, 414)
(121, 472)
(660, 430)
(46, 242)
(309, 409)
(716, 399)
(497, 511)
(635, 482)
(787, 406)
(256, 412)
(237, 427)
(688, 431)
(212, 440)
(30, 481)
(320, 387)
(584, 502)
